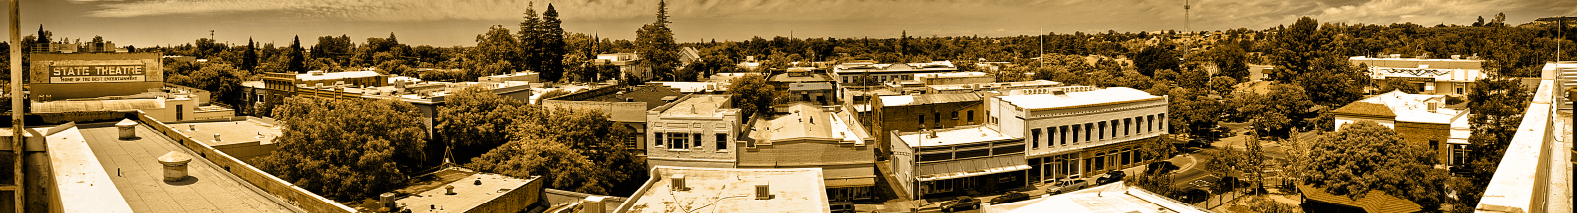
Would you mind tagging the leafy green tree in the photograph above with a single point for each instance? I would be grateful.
(1276, 111)
(752, 94)
(552, 46)
(1223, 85)
(346, 149)
(1232, 61)
(1296, 47)
(577, 150)
(249, 58)
(656, 44)
(1156, 58)
(1332, 81)
(222, 81)
(474, 121)
(1366, 156)
(496, 52)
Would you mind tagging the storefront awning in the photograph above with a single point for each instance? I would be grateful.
(970, 167)
(850, 182)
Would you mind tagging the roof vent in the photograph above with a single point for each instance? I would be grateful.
(217, 141)
(678, 183)
(449, 190)
(478, 182)
(1433, 106)
(763, 192)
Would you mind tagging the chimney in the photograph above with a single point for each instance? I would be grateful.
(678, 183)
(762, 192)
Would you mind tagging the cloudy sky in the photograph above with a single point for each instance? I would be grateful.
(457, 22)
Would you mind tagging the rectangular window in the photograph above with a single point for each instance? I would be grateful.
(1034, 135)
(1051, 136)
(678, 141)
(1114, 128)
(1064, 131)
(1127, 125)
(971, 115)
(937, 118)
(1076, 134)
(1089, 129)
(697, 141)
(922, 121)
(955, 115)
(1125, 158)
(722, 141)
(659, 140)
(1100, 133)
(1149, 125)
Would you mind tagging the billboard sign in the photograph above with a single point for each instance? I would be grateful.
(96, 73)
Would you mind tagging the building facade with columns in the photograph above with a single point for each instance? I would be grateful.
(1079, 130)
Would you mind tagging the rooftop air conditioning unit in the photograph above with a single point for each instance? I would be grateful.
(763, 192)
(678, 183)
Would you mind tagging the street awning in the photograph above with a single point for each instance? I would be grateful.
(970, 167)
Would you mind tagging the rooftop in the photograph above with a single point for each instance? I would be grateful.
(804, 121)
(731, 190)
(1375, 201)
(1406, 107)
(920, 99)
(651, 94)
(953, 136)
(1072, 99)
(709, 106)
(320, 75)
(229, 132)
(467, 194)
(1109, 198)
(96, 105)
(140, 178)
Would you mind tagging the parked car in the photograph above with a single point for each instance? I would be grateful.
(962, 203)
(1010, 197)
(1067, 185)
(1111, 177)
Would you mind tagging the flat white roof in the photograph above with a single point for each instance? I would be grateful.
(335, 75)
(1099, 96)
(1415, 107)
(1116, 197)
(960, 135)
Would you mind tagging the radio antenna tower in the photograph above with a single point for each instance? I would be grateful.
(1187, 29)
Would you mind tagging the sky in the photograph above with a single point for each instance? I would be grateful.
(445, 23)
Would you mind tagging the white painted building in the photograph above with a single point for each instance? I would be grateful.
(1079, 130)
(694, 131)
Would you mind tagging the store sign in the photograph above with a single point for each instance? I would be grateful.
(96, 73)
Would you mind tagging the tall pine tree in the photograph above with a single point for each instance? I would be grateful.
(552, 46)
(296, 62)
(656, 45)
(530, 41)
(249, 57)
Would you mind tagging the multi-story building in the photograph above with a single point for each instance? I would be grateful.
(1079, 131)
(1430, 76)
(812, 136)
(1418, 119)
(872, 74)
(627, 105)
(911, 113)
(806, 84)
(694, 131)
(943, 162)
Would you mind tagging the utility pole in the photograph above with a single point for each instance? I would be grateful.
(16, 107)
(210, 35)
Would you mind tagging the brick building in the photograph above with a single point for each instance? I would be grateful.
(910, 113)
(1418, 119)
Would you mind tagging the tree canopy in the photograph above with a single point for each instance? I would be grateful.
(347, 149)
(474, 121)
(577, 150)
(1366, 156)
(657, 46)
(752, 94)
